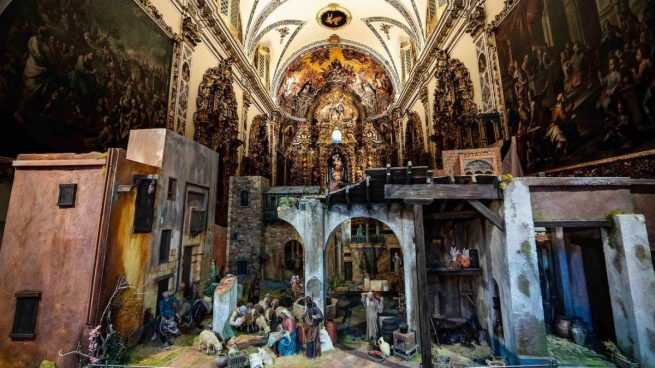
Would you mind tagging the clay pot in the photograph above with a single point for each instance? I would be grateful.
(563, 327)
(403, 328)
(221, 361)
(579, 334)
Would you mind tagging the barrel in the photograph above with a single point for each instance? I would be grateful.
(331, 328)
(389, 325)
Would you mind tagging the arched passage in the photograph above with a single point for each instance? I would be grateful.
(364, 254)
(315, 222)
(283, 246)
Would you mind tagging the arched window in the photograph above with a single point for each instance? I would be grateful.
(244, 198)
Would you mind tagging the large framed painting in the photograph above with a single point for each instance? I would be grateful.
(577, 78)
(77, 75)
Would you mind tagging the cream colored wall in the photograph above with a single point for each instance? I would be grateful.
(207, 54)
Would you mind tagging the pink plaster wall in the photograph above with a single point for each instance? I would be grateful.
(50, 250)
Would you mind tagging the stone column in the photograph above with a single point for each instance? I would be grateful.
(312, 233)
(523, 314)
(631, 282)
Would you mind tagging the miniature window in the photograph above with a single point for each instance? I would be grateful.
(144, 205)
(244, 198)
(165, 245)
(67, 194)
(27, 306)
(172, 189)
(242, 268)
(235, 236)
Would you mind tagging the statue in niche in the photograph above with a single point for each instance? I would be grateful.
(313, 287)
(397, 263)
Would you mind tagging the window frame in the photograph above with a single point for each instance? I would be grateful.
(20, 336)
(164, 259)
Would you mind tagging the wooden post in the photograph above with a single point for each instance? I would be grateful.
(423, 291)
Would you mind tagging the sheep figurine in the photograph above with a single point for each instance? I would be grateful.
(384, 347)
(209, 342)
(263, 324)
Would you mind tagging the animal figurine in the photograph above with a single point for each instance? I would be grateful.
(262, 324)
(209, 342)
(384, 347)
(267, 359)
(255, 361)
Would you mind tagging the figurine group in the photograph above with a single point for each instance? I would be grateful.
(459, 258)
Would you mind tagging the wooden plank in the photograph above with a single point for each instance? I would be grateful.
(487, 213)
(423, 292)
(441, 191)
(54, 163)
(455, 215)
(572, 223)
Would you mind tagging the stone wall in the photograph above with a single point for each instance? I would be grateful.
(246, 224)
(276, 236)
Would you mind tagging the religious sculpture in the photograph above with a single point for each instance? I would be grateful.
(373, 304)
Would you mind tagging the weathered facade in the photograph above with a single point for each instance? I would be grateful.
(118, 196)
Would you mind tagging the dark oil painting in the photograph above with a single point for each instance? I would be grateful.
(577, 78)
(77, 75)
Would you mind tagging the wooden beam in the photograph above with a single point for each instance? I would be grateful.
(441, 191)
(455, 215)
(487, 213)
(423, 313)
(348, 202)
(572, 223)
(368, 190)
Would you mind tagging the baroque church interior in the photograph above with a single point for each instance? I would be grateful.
(294, 183)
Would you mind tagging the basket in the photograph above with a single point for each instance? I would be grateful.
(237, 360)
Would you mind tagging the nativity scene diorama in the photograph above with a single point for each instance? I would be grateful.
(292, 183)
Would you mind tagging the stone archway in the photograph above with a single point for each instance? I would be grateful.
(314, 222)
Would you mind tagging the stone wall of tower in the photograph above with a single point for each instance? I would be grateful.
(245, 225)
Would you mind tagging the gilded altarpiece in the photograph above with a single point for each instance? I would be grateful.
(216, 126)
(258, 160)
(454, 109)
(338, 146)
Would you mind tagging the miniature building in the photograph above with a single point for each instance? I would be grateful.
(92, 218)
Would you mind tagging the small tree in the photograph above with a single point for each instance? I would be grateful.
(105, 344)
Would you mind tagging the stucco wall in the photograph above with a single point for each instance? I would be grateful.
(50, 250)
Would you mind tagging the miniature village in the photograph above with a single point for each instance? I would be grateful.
(294, 183)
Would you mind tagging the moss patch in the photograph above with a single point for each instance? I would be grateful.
(641, 253)
(524, 285)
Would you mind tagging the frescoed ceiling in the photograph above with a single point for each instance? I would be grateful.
(324, 69)
(290, 28)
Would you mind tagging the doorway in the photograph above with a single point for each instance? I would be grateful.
(162, 285)
(186, 265)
